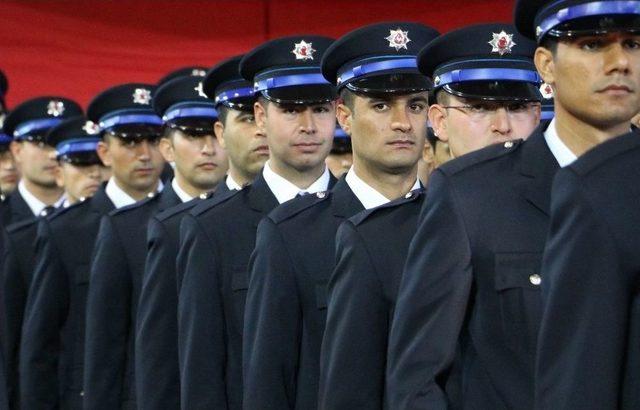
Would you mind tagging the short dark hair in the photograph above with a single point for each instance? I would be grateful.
(223, 113)
(442, 97)
(348, 98)
(551, 44)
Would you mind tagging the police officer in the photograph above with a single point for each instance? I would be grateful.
(340, 158)
(28, 123)
(120, 252)
(363, 287)
(468, 304)
(296, 109)
(9, 174)
(384, 109)
(588, 344)
(52, 351)
(156, 355)
(75, 141)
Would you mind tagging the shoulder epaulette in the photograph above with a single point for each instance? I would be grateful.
(297, 205)
(216, 200)
(477, 157)
(411, 196)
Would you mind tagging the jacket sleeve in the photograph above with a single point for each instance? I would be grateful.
(107, 321)
(431, 305)
(354, 347)
(156, 343)
(201, 341)
(272, 325)
(586, 293)
(45, 314)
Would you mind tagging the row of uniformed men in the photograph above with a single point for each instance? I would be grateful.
(365, 292)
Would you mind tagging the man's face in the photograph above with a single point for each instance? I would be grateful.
(595, 78)
(245, 144)
(135, 163)
(9, 174)
(388, 132)
(299, 136)
(339, 164)
(467, 125)
(199, 160)
(79, 181)
(36, 162)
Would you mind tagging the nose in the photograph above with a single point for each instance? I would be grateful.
(500, 122)
(209, 143)
(400, 119)
(307, 123)
(617, 59)
(144, 150)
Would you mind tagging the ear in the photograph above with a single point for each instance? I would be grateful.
(166, 149)
(344, 115)
(60, 176)
(260, 112)
(543, 59)
(437, 118)
(16, 149)
(218, 130)
(104, 153)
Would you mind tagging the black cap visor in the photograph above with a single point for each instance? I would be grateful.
(596, 25)
(494, 90)
(83, 158)
(395, 83)
(239, 103)
(136, 131)
(194, 126)
(302, 94)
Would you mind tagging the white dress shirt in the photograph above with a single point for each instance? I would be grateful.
(36, 205)
(184, 197)
(232, 184)
(368, 196)
(285, 190)
(558, 148)
(121, 198)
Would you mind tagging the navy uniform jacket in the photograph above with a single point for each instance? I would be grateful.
(51, 355)
(472, 279)
(216, 240)
(371, 249)
(18, 266)
(286, 303)
(156, 343)
(116, 276)
(4, 397)
(589, 345)
(15, 209)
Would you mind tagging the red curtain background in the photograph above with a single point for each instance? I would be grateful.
(76, 48)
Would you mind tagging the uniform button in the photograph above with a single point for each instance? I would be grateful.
(82, 393)
(409, 195)
(535, 279)
(151, 194)
(508, 144)
(203, 196)
(321, 195)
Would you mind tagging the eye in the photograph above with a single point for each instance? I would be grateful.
(320, 109)
(417, 107)
(381, 106)
(591, 45)
(517, 107)
(632, 43)
(250, 119)
(478, 108)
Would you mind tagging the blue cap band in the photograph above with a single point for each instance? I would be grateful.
(27, 127)
(369, 68)
(487, 74)
(77, 145)
(189, 112)
(340, 134)
(547, 115)
(234, 93)
(5, 139)
(125, 119)
(594, 8)
(289, 81)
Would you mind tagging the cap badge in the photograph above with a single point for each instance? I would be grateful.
(303, 50)
(502, 43)
(142, 96)
(91, 128)
(55, 108)
(200, 90)
(196, 72)
(547, 91)
(398, 39)
(436, 81)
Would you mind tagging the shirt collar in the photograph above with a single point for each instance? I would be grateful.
(121, 198)
(232, 184)
(184, 197)
(368, 196)
(284, 190)
(36, 205)
(558, 148)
